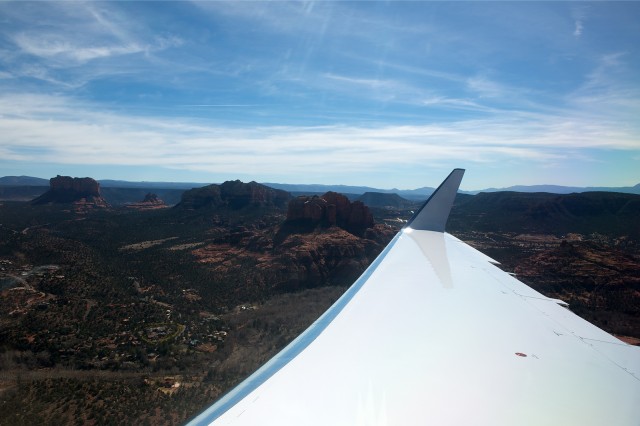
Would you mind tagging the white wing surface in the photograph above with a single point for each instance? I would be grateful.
(434, 334)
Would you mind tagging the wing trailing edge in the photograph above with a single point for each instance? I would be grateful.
(433, 215)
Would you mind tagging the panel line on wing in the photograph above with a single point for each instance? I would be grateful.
(605, 349)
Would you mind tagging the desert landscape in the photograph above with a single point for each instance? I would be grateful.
(145, 313)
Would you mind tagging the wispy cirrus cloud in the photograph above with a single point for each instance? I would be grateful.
(577, 32)
(57, 129)
(456, 103)
(54, 46)
(485, 87)
(579, 15)
(44, 48)
(610, 92)
(320, 18)
(343, 87)
(379, 88)
(409, 93)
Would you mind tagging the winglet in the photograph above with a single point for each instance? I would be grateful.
(433, 215)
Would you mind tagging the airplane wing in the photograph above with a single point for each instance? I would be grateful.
(433, 333)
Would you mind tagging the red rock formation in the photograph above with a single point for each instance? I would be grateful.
(342, 206)
(331, 209)
(360, 217)
(84, 192)
(307, 208)
(86, 187)
(150, 202)
(330, 256)
(151, 198)
(238, 194)
(234, 194)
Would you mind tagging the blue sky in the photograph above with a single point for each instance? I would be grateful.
(384, 94)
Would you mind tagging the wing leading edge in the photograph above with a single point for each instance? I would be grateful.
(434, 333)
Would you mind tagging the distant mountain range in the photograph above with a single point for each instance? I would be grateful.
(23, 181)
(106, 183)
(557, 189)
(377, 199)
(410, 194)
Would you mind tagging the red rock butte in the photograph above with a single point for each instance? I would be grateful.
(330, 209)
(67, 189)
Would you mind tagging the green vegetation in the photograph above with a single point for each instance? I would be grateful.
(608, 213)
(145, 317)
(128, 295)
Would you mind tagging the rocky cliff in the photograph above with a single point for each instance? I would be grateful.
(234, 194)
(262, 266)
(330, 209)
(67, 189)
(150, 202)
(151, 198)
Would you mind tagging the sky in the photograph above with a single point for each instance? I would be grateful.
(384, 94)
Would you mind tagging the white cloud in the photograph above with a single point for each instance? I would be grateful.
(578, 29)
(293, 62)
(604, 74)
(71, 35)
(609, 92)
(408, 92)
(485, 87)
(69, 50)
(56, 46)
(59, 130)
(369, 83)
(579, 14)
